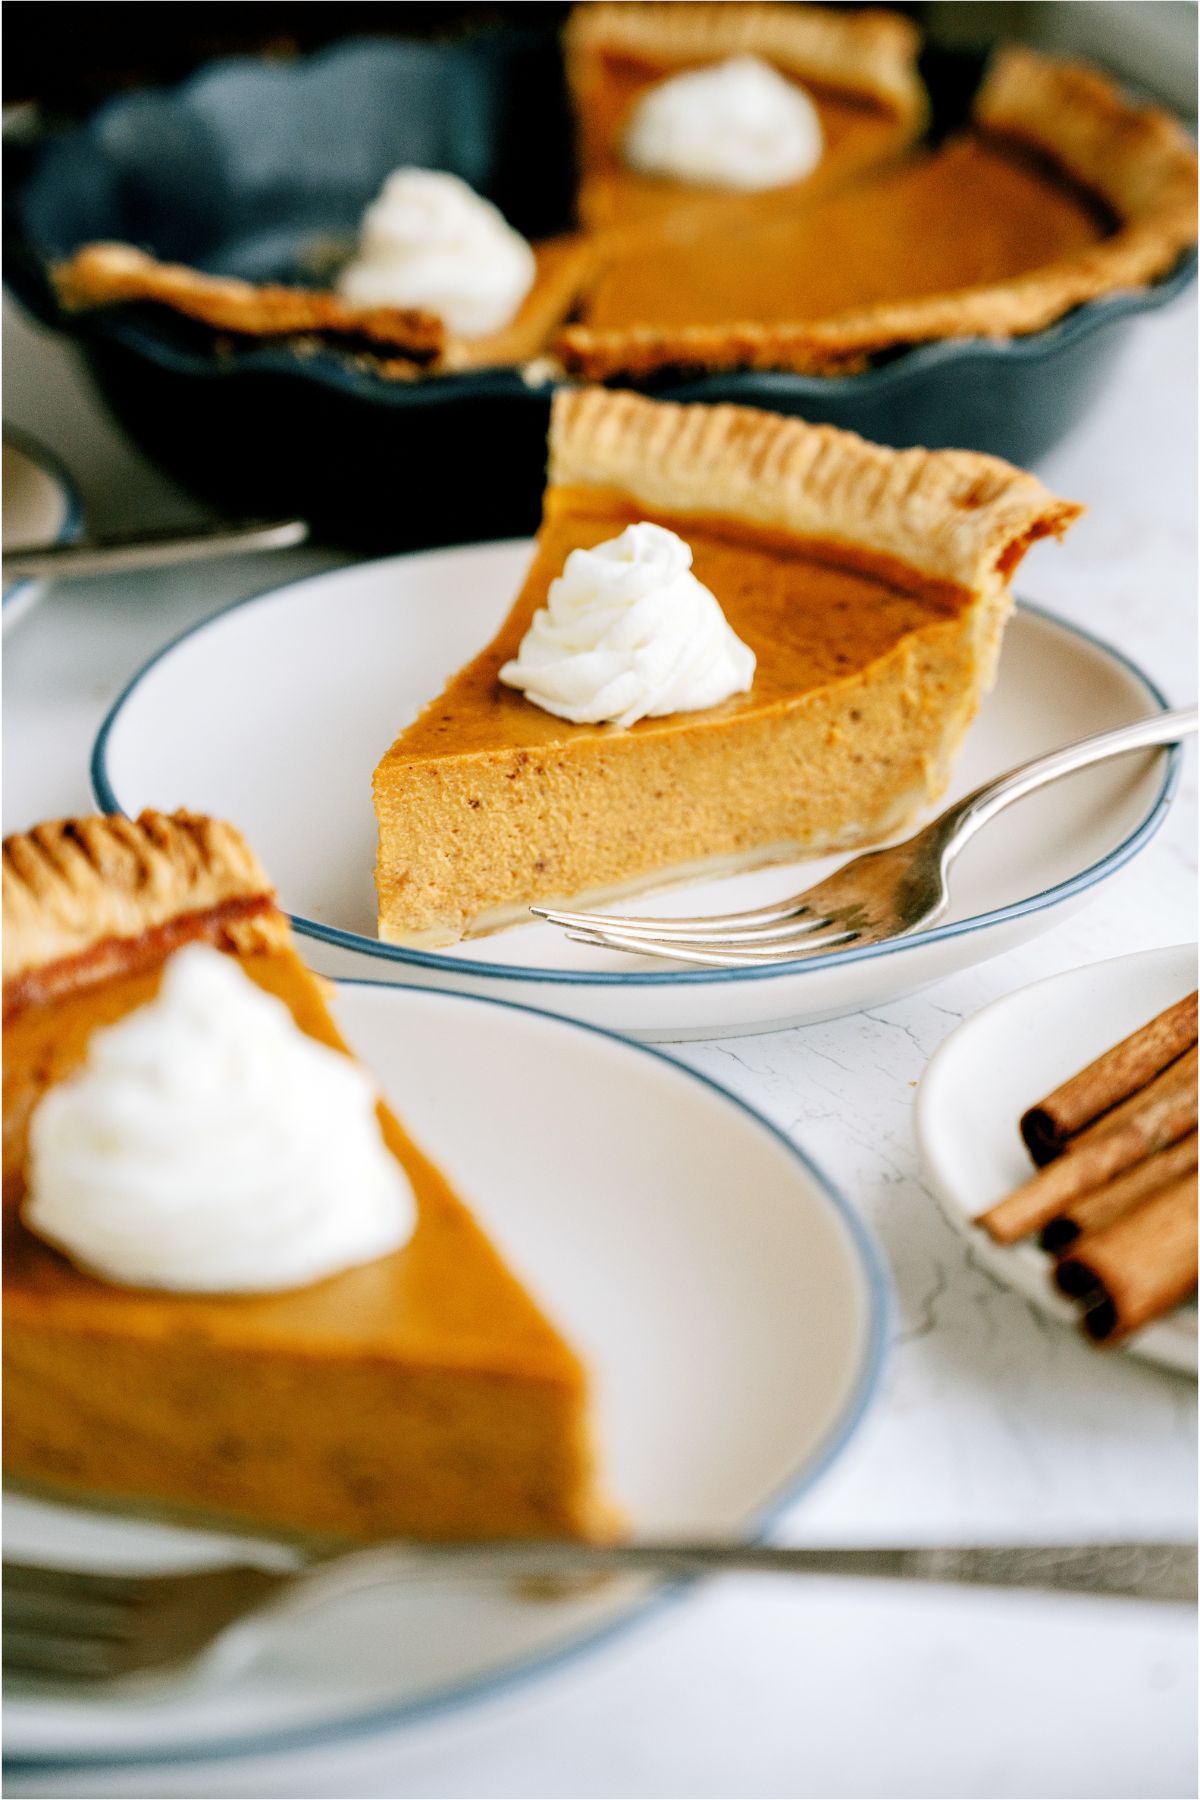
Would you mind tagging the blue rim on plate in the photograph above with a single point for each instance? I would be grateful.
(360, 945)
(72, 522)
(881, 1312)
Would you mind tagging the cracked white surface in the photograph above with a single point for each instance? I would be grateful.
(992, 1421)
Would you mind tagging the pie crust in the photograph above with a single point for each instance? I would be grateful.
(868, 52)
(73, 885)
(1138, 161)
(401, 342)
(872, 584)
(955, 515)
(108, 274)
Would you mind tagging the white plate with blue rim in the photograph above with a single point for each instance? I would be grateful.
(41, 506)
(275, 712)
(731, 1306)
(1000, 1062)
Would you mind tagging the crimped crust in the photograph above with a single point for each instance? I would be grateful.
(869, 53)
(74, 884)
(1138, 160)
(110, 274)
(952, 514)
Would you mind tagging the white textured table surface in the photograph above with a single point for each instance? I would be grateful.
(992, 1422)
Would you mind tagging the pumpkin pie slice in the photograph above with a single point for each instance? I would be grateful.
(422, 1394)
(1060, 190)
(872, 586)
(858, 68)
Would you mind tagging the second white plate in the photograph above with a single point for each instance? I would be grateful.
(275, 712)
(730, 1305)
(998, 1063)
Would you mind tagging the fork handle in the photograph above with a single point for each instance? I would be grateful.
(961, 822)
(1163, 1572)
(152, 550)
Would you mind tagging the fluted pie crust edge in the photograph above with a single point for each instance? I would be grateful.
(72, 886)
(954, 515)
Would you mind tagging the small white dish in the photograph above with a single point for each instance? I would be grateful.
(1002, 1060)
(732, 1308)
(41, 506)
(275, 712)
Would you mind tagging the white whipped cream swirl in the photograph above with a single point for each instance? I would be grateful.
(735, 124)
(207, 1144)
(629, 633)
(432, 243)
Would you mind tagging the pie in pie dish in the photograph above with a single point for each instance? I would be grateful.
(422, 1393)
(872, 586)
(1060, 190)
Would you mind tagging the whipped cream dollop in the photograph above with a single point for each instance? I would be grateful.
(627, 633)
(207, 1144)
(432, 243)
(735, 124)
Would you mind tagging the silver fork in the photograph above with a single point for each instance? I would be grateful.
(880, 895)
(70, 1625)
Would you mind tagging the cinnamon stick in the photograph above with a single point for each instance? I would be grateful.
(1137, 1268)
(1113, 1077)
(1152, 1119)
(1088, 1212)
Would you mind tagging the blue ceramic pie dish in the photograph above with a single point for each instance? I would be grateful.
(249, 165)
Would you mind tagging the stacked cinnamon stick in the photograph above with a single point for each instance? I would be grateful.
(1114, 1198)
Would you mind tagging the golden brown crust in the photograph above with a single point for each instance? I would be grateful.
(72, 885)
(112, 274)
(410, 343)
(1138, 160)
(951, 514)
(871, 53)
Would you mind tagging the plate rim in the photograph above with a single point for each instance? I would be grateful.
(359, 944)
(877, 1342)
(16, 438)
(878, 1336)
(1051, 1305)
